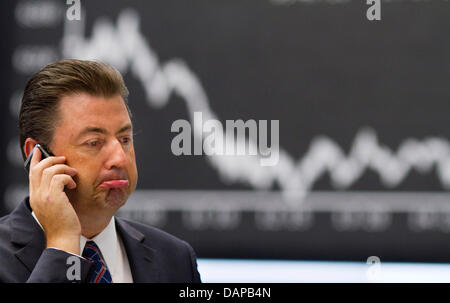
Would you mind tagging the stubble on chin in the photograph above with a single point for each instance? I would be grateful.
(111, 199)
(98, 201)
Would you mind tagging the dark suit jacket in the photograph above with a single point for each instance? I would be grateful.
(154, 255)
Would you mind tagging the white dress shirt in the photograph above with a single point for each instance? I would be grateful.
(113, 251)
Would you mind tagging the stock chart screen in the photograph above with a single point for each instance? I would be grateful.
(266, 129)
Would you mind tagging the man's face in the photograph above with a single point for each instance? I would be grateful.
(95, 136)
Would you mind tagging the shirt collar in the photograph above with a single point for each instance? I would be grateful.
(106, 240)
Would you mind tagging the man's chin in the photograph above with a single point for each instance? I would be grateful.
(115, 197)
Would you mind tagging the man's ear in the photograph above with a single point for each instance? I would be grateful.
(28, 146)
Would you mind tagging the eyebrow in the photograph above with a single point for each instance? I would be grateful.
(93, 129)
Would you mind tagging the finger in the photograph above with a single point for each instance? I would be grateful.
(48, 173)
(36, 170)
(35, 158)
(59, 169)
(59, 182)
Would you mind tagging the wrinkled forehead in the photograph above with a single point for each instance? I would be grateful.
(77, 112)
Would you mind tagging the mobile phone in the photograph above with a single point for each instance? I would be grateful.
(44, 152)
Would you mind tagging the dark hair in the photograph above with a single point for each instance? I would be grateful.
(38, 115)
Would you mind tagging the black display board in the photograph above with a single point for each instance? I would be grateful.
(362, 109)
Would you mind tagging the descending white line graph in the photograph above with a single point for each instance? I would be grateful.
(124, 46)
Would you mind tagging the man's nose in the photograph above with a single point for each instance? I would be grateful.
(116, 155)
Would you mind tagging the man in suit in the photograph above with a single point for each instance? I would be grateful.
(66, 231)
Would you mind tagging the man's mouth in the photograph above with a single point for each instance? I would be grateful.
(114, 184)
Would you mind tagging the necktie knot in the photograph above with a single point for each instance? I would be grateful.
(101, 273)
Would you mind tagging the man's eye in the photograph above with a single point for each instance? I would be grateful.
(94, 143)
(126, 140)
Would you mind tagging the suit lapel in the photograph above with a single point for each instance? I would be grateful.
(141, 257)
(25, 231)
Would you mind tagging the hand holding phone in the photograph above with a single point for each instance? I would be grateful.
(48, 178)
(44, 154)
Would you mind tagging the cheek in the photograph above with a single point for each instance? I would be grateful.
(85, 176)
(132, 171)
(82, 181)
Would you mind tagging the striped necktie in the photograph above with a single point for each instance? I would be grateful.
(101, 273)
